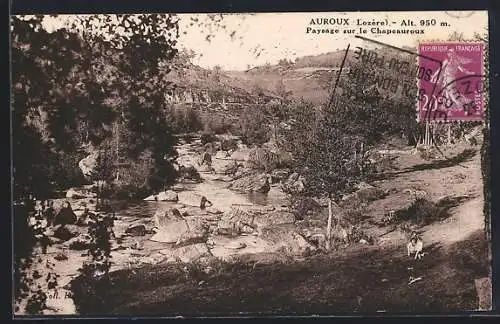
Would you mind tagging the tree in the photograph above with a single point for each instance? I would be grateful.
(253, 127)
(330, 145)
(71, 84)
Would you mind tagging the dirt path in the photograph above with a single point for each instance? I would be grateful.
(461, 180)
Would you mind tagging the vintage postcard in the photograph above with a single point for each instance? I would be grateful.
(251, 163)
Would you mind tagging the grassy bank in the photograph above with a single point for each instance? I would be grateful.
(364, 279)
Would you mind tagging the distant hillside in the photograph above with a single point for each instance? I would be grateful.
(309, 77)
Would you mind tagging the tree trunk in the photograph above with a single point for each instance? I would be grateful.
(329, 225)
(449, 134)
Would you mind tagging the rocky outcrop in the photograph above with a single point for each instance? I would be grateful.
(272, 218)
(250, 219)
(225, 166)
(171, 232)
(251, 183)
(136, 230)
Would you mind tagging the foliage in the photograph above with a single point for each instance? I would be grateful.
(184, 120)
(228, 144)
(68, 87)
(330, 146)
(89, 287)
(252, 126)
(28, 291)
(217, 124)
(207, 137)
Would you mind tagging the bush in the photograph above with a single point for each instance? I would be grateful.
(421, 212)
(263, 159)
(218, 125)
(253, 127)
(228, 144)
(208, 138)
(184, 119)
(304, 206)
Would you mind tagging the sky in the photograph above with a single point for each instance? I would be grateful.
(268, 37)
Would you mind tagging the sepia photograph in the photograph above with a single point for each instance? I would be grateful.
(250, 163)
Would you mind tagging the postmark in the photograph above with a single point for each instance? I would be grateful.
(392, 71)
(445, 80)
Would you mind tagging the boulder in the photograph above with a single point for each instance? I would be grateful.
(192, 237)
(241, 154)
(233, 222)
(205, 158)
(178, 187)
(222, 155)
(75, 193)
(60, 257)
(225, 166)
(206, 168)
(213, 211)
(189, 173)
(136, 230)
(273, 218)
(168, 195)
(235, 245)
(88, 165)
(197, 231)
(63, 233)
(251, 183)
(299, 245)
(190, 199)
(188, 253)
(171, 232)
(226, 248)
(228, 144)
(263, 159)
(79, 243)
(164, 216)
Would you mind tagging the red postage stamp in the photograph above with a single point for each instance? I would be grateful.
(455, 91)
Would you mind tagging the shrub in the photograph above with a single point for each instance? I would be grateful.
(263, 159)
(228, 144)
(208, 137)
(253, 127)
(304, 206)
(421, 212)
(184, 119)
(218, 125)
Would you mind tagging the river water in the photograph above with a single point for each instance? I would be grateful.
(215, 191)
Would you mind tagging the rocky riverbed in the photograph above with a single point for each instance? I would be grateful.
(249, 214)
